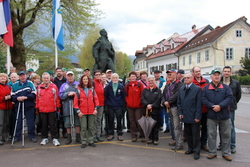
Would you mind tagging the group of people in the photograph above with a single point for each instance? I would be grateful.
(78, 107)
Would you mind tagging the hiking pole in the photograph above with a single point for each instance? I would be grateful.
(13, 138)
(71, 117)
(23, 124)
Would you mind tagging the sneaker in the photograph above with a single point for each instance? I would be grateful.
(56, 142)
(120, 138)
(150, 141)
(233, 150)
(110, 137)
(44, 141)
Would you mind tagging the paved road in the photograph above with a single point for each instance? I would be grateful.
(126, 153)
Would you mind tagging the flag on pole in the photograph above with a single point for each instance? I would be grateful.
(57, 27)
(3, 29)
(6, 15)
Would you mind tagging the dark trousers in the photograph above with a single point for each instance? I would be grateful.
(112, 113)
(192, 132)
(204, 129)
(134, 115)
(29, 115)
(48, 123)
(154, 135)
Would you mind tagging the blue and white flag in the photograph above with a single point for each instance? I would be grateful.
(57, 27)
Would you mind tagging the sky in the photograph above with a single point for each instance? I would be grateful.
(134, 24)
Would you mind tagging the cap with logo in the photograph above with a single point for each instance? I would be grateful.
(108, 70)
(21, 72)
(171, 71)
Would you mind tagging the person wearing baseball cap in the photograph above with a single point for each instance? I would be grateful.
(218, 114)
(109, 72)
(86, 71)
(180, 75)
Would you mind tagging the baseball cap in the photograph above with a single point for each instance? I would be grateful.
(86, 69)
(171, 71)
(64, 69)
(180, 71)
(108, 70)
(156, 71)
(215, 71)
(21, 72)
(70, 72)
(30, 70)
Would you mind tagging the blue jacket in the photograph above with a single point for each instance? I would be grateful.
(221, 96)
(161, 82)
(24, 89)
(189, 103)
(112, 100)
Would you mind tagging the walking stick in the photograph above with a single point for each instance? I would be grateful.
(71, 117)
(13, 138)
(23, 124)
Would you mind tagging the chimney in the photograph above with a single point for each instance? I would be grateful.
(194, 27)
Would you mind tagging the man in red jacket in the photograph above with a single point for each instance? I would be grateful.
(201, 82)
(47, 102)
(99, 89)
(133, 91)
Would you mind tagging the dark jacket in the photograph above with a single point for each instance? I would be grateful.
(112, 100)
(151, 96)
(221, 96)
(58, 82)
(189, 103)
(173, 99)
(236, 90)
(24, 89)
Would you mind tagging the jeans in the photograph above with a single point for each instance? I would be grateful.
(224, 132)
(233, 134)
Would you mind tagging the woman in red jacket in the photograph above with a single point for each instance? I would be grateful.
(133, 99)
(86, 105)
(5, 107)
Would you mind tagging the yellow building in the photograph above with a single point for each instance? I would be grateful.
(223, 46)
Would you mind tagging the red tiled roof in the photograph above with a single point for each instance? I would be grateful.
(210, 37)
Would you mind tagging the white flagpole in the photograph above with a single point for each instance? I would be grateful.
(56, 56)
(8, 59)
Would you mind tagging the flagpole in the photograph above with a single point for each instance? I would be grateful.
(56, 57)
(8, 59)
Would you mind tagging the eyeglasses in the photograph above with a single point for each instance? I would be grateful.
(187, 77)
(97, 74)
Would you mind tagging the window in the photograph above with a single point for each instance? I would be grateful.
(229, 53)
(162, 49)
(174, 65)
(238, 33)
(167, 67)
(247, 52)
(189, 59)
(206, 55)
(183, 61)
(198, 57)
(161, 68)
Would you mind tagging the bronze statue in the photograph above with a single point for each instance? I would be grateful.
(103, 53)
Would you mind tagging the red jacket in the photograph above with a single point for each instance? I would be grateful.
(5, 90)
(86, 104)
(133, 92)
(99, 89)
(47, 99)
(201, 84)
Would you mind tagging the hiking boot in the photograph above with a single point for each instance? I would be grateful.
(120, 138)
(69, 139)
(155, 142)
(172, 143)
(33, 140)
(110, 137)
(92, 144)
(143, 140)
(44, 141)
(99, 139)
(78, 138)
(56, 142)
(149, 141)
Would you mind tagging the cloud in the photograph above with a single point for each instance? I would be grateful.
(134, 24)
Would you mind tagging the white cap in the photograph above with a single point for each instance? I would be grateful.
(69, 72)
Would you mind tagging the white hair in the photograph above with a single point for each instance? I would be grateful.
(115, 74)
